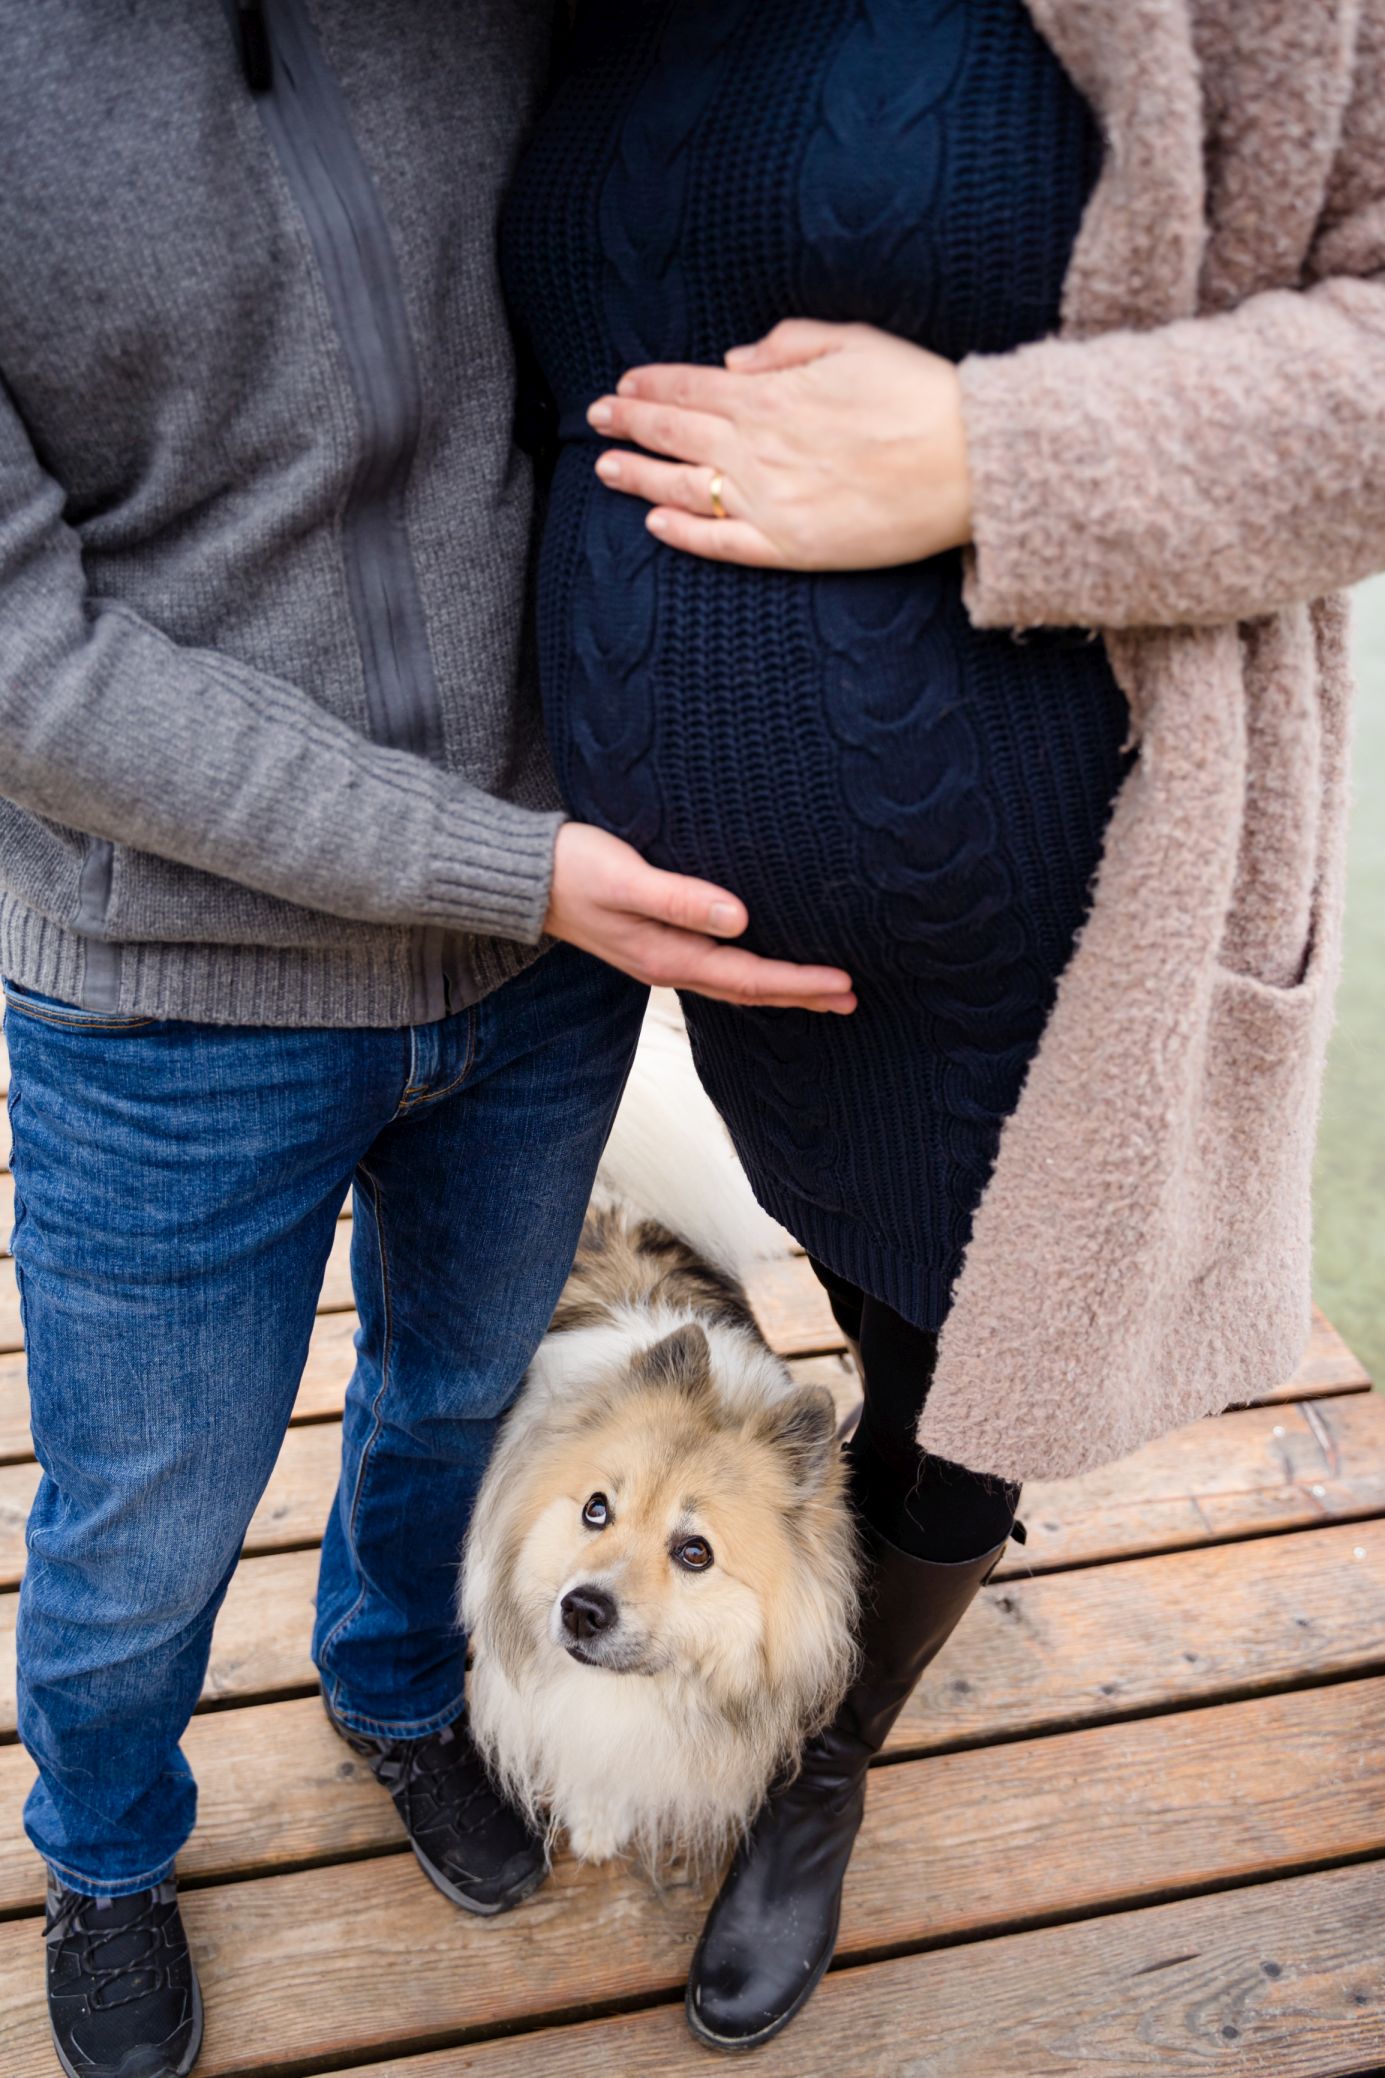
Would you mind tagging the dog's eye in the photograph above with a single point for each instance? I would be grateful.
(695, 1553)
(597, 1512)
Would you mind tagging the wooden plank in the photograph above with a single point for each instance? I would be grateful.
(1048, 1829)
(292, 1510)
(792, 1309)
(260, 1644)
(11, 1333)
(1146, 1634)
(1328, 1366)
(1054, 1652)
(1238, 1475)
(1025, 1661)
(1286, 1980)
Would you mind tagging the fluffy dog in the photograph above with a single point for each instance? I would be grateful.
(660, 1577)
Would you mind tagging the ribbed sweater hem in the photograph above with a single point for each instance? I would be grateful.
(378, 985)
(920, 1291)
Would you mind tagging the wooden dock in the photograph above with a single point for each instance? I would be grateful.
(1131, 1826)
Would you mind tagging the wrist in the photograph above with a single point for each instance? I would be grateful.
(952, 480)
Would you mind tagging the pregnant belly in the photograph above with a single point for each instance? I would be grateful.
(824, 745)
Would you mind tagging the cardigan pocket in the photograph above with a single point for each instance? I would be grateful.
(1264, 1047)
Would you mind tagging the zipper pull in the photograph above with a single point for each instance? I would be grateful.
(256, 57)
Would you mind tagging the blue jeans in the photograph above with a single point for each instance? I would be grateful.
(176, 1192)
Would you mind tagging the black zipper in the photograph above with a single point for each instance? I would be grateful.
(309, 127)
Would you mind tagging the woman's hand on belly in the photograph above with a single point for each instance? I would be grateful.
(828, 447)
(663, 929)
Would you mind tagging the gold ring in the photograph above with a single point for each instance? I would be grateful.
(714, 491)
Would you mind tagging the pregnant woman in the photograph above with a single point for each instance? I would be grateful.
(902, 750)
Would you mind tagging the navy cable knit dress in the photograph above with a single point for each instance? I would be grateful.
(886, 787)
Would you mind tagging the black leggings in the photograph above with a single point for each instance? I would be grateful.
(925, 1505)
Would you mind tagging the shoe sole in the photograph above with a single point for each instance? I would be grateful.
(190, 2054)
(475, 1905)
(736, 2045)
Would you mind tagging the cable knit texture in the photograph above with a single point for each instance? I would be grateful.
(1195, 466)
(885, 785)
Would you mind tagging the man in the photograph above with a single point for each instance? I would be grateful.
(278, 843)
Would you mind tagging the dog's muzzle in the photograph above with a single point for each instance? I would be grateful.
(589, 1629)
(588, 1613)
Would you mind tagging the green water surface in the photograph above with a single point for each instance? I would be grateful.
(1349, 1198)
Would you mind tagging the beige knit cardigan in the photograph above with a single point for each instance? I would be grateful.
(1195, 466)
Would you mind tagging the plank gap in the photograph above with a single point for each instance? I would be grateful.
(1138, 1713)
(1107, 1908)
(1253, 1533)
(516, 2027)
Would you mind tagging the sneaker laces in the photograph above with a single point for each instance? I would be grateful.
(131, 1933)
(422, 1774)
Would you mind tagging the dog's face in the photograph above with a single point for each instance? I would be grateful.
(663, 1532)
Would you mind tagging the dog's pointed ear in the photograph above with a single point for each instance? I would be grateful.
(682, 1361)
(802, 1428)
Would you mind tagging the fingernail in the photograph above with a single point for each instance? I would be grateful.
(723, 916)
(739, 355)
(656, 523)
(599, 415)
(609, 467)
(628, 386)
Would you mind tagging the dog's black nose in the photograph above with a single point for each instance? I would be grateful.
(587, 1611)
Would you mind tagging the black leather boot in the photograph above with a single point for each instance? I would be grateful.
(772, 1929)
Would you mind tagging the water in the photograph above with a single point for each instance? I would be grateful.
(1350, 1186)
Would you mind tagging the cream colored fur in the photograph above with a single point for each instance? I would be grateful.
(688, 1423)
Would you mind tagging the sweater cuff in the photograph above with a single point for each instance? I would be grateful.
(491, 869)
(1015, 552)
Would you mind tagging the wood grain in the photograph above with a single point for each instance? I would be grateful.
(1239, 1475)
(1046, 1829)
(1286, 1980)
(1145, 1634)
(1054, 1652)
(1265, 1468)
(1047, 1652)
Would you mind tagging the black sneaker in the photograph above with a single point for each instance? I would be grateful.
(473, 1845)
(123, 1995)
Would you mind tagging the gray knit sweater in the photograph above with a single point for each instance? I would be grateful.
(269, 747)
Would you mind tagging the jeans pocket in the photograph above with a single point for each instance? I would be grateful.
(50, 1010)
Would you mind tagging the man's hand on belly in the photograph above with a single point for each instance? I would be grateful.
(664, 928)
